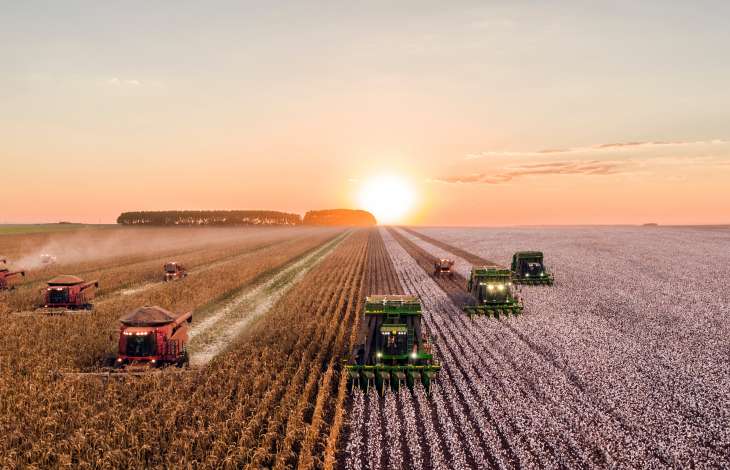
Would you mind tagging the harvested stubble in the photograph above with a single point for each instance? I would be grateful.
(269, 401)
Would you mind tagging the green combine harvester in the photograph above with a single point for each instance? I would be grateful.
(392, 350)
(528, 268)
(492, 294)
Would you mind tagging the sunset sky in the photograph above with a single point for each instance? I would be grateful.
(482, 113)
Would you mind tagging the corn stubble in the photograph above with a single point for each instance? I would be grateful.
(270, 396)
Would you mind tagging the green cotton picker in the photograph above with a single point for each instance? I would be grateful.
(392, 349)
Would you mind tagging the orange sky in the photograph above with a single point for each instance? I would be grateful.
(493, 115)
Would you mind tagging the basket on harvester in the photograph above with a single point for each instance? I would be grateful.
(393, 351)
(528, 268)
(491, 291)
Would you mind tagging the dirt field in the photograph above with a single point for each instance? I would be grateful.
(623, 363)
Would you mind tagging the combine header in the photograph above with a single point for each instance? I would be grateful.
(443, 267)
(491, 289)
(67, 293)
(528, 268)
(6, 275)
(174, 270)
(393, 350)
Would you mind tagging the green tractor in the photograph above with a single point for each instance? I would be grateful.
(492, 294)
(392, 350)
(528, 268)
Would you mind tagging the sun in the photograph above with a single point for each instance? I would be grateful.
(387, 197)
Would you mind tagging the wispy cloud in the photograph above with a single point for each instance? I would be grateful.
(574, 167)
(599, 148)
(119, 82)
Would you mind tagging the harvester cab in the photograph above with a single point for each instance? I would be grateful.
(174, 270)
(492, 292)
(66, 293)
(443, 267)
(393, 350)
(151, 337)
(528, 267)
(5, 278)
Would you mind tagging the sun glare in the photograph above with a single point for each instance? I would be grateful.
(388, 198)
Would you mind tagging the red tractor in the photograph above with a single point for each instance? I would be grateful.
(5, 275)
(443, 267)
(152, 337)
(174, 270)
(69, 293)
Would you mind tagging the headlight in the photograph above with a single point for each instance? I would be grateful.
(500, 287)
(527, 275)
(414, 355)
(542, 274)
(378, 354)
(119, 359)
(490, 287)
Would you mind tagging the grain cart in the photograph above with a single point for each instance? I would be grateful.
(392, 348)
(67, 293)
(6, 275)
(152, 337)
(528, 268)
(443, 267)
(491, 291)
(174, 270)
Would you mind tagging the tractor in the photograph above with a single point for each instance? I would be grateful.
(491, 291)
(6, 275)
(152, 337)
(528, 268)
(174, 270)
(392, 350)
(66, 293)
(443, 267)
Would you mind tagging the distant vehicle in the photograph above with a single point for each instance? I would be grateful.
(392, 350)
(67, 293)
(174, 270)
(528, 268)
(5, 277)
(443, 267)
(491, 291)
(3, 261)
(48, 259)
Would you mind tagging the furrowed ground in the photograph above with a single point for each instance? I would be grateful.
(623, 363)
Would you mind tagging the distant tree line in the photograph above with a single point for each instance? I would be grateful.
(342, 217)
(209, 218)
(330, 217)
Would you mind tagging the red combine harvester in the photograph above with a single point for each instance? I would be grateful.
(152, 337)
(69, 293)
(443, 267)
(6, 275)
(174, 270)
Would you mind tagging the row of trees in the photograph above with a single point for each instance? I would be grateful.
(209, 218)
(330, 217)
